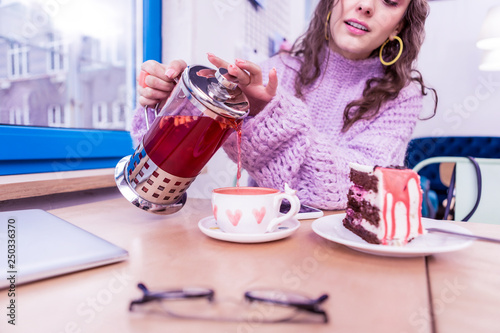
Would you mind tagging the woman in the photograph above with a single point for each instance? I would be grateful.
(337, 101)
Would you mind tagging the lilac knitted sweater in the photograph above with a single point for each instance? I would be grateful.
(300, 142)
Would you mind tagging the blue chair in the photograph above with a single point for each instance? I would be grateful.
(475, 187)
(423, 148)
(425, 155)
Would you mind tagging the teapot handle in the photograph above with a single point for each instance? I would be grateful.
(155, 109)
(146, 114)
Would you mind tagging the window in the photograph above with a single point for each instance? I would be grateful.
(100, 115)
(17, 58)
(19, 116)
(67, 77)
(57, 116)
(119, 117)
(57, 54)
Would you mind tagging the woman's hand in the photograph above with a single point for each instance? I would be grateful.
(250, 81)
(160, 82)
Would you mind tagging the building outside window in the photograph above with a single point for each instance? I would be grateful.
(76, 53)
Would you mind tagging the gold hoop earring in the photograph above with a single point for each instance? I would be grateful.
(385, 63)
(327, 37)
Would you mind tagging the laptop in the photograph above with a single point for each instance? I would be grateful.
(36, 245)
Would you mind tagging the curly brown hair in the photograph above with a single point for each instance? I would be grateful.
(377, 90)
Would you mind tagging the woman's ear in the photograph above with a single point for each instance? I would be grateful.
(396, 30)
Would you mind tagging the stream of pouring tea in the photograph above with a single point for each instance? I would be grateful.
(238, 143)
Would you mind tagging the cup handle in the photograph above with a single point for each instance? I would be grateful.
(294, 209)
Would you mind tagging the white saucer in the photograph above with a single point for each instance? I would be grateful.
(331, 228)
(209, 227)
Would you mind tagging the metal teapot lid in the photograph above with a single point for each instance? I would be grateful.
(216, 90)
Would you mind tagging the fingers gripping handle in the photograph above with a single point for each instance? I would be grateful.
(142, 83)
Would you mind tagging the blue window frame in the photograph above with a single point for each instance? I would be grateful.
(43, 149)
(152, 30)
(30, 149)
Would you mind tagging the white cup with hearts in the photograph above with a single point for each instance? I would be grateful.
(252, 210)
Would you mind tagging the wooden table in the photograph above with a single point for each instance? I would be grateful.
(453, 292)
(465, 285)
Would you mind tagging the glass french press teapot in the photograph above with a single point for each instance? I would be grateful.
(204, 108)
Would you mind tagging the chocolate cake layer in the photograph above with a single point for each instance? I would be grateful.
(363, 209)
(368, 236)
(364, 180)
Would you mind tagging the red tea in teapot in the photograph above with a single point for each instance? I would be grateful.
(190, 139)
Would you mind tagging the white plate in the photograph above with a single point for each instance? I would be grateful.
(331, 228)
(209, 227)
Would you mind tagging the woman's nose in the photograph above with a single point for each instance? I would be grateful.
(365, 7)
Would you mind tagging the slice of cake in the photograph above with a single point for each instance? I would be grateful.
(384, 204)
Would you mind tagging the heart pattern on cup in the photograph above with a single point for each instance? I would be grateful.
(215, 211)
(234, 218)
(259, 214)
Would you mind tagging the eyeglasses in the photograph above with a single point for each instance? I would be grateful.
(264, 306)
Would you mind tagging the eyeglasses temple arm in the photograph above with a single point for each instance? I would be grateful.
(321, 299)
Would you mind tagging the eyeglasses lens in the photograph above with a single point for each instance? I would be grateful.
(278, 296)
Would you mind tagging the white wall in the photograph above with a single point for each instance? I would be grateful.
(191, 28)
(469, 100)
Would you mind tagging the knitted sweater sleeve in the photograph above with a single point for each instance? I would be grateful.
(280, 145)
(139, 127)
